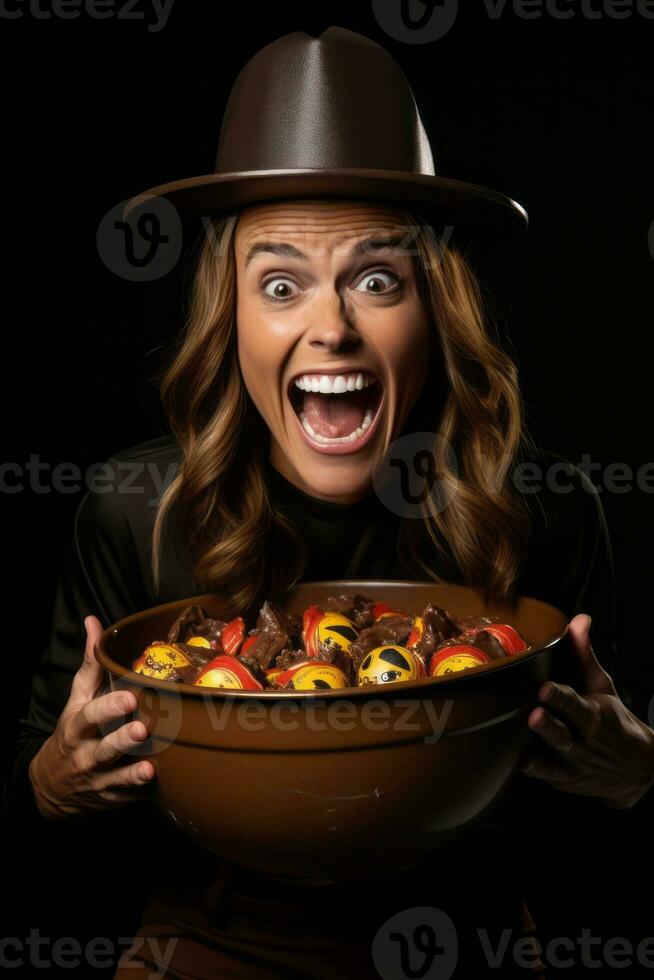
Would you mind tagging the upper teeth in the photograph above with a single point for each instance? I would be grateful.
(333, 384)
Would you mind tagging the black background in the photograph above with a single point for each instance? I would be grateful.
(555, 113)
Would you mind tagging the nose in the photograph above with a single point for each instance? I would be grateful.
(331, 328)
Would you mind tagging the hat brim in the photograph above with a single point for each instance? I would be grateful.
(448, 202)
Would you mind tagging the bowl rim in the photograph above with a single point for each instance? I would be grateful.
(357, 693)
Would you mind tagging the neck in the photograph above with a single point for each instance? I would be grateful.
(282, 465)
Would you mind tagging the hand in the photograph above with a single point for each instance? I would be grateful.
(78, 769)
(596, 746)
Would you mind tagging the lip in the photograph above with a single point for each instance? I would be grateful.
(347, 448)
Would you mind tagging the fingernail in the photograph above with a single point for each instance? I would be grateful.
(144, 772)
(546, 693)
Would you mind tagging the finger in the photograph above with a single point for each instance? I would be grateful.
(597, 679)
(137, 774)
(574, 710)
(553, 732)
(90, 675)
(100, 712)
(117, 744)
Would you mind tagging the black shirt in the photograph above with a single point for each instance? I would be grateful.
(108, 573)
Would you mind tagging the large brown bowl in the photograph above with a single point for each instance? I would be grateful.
(337, 784)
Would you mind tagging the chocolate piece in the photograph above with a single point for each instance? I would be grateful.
(397, 628)
(288, 657)
(197, 656)
(187, 618)
(212, 629)
(356, 607)
(187, 675)
(488, 643)
(472, 624)
(273, 619)
(193, 621)
(254, 667)
(267, 644)
(438, 626)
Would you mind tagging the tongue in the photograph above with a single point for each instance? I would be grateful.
(334, 416)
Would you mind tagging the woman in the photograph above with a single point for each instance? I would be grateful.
(270, 480)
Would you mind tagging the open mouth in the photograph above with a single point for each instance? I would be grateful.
(336, 411)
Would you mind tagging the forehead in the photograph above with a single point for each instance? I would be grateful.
(315, 225)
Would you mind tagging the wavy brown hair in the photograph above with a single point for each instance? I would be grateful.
(246, 549)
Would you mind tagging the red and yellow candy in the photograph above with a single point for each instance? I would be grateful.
(327, 629)
(311, 675)
(232, 636)
(458, 656)
(509, 638)
(389, 664)
(162, 660)
(226, 671)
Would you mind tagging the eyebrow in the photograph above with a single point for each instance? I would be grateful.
(290, 251)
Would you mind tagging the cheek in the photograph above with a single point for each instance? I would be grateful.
(406, 345)
(261, 353)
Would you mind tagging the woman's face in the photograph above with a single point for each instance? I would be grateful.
(333, 340)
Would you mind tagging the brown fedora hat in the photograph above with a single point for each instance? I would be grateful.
(330, 116)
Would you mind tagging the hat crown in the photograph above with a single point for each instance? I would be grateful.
(334, 101)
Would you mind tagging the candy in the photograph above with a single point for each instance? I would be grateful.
(348, 639)
(227, 671)
(232, 636)
(311, 675)
(389, 664)
(163, 660)
(381, 610)
(199, 641)
(459, 656)
(331, 631)
(509, 638)
(416, 632)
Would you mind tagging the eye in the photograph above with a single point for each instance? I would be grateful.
(281, 289)
(374, 282)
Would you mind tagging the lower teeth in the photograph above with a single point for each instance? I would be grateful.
(325, 440)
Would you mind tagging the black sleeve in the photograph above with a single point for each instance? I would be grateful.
(571, 561)
(101, 577)
(596, 589)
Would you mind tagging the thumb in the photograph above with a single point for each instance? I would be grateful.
(89, 677)
(598, 681)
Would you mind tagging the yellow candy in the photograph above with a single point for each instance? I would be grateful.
(389, 664)
(160, 660)
(312, 677)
